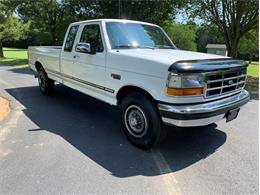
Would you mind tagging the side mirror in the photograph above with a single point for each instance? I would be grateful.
(85, 48)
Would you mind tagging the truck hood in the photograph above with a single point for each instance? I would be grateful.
(168, 56)
(158, 62)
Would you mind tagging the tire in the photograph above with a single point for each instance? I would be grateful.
(46, 85)
(141, 121)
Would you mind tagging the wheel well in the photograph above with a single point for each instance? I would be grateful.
(128, 89)
(38, 65)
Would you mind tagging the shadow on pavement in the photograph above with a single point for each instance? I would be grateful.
(21, 70)
(93, 127)
(254, 95)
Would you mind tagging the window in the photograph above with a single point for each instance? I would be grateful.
(91, 34)
(71, 38)
(135, 35)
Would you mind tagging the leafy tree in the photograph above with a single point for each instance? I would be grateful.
(147, 10)
(233, 17)
(183, 36)
(46, 17)
(208, 33)
(249, 44)
(10, 27)
(50, 18)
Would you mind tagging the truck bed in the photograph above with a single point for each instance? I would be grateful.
(49, 56)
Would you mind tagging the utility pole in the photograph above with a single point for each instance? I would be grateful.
(119, 7)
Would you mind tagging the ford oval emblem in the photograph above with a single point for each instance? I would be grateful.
(230, 82)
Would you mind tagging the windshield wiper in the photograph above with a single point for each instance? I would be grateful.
(124, 46)
(132, 47)
(147, 47)
(165, 47)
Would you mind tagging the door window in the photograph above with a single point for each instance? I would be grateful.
(71, 38)
(91, 34)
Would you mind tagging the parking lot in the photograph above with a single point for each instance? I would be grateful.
(72, 143)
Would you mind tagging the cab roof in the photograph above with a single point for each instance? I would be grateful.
(114, 20)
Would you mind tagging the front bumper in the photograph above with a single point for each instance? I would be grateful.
(202, 114)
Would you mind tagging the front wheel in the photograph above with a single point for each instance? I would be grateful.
(46, 85)
(141, 121)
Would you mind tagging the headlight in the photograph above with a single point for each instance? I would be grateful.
(185, 81)
(181, 85)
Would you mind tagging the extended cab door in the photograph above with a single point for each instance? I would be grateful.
(67, 57)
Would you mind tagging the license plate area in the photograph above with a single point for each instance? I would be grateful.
(232, 114)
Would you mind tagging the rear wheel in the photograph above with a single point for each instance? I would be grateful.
(141, 121)
(46, 85)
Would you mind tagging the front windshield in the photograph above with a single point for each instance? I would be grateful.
(136, 35)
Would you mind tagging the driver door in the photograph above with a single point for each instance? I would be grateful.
(90, 67)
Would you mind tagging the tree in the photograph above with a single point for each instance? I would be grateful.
(207, 33)
(249, 44)
(146, 10)
(10, 27)
(50, 18)
(233, 17)
(46, 17)
(183, 36)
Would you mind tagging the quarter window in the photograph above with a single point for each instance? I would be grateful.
(71, 38)
(91, 34)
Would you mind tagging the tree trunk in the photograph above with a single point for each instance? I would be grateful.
(1, 50)
(232, 51)
(250, 58)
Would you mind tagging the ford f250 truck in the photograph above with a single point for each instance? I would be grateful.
(135, 65)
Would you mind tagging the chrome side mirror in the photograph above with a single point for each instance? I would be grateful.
(84, 48)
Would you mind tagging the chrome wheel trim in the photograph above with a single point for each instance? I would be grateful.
(135, 121)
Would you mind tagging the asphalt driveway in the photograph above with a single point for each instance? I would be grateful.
(72, 143)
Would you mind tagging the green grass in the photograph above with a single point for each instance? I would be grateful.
(252, 83)
(14, 57)
(253, 69)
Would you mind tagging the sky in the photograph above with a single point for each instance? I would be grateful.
(182, 18)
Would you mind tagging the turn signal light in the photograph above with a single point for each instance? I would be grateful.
(184, 92)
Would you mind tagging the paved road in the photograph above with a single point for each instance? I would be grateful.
(72, 143)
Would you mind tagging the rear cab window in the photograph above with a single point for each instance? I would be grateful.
(71, 38)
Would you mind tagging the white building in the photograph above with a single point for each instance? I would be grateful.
(219, 49)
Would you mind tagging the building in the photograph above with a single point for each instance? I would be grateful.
(219, 49)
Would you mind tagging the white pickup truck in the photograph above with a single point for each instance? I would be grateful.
(136, 66)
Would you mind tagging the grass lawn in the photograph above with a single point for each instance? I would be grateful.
(14, 57)
(253, 69)
(252, 83)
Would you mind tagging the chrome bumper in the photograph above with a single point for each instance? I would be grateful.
(201, 114)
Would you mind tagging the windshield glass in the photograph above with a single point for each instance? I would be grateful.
(136, 35)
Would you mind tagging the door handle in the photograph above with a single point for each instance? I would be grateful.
(76, 56)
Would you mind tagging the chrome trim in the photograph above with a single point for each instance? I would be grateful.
(206, 107)
(65, 76)
(226, 79)
(225, 86)
(237, 84)
(194, 122)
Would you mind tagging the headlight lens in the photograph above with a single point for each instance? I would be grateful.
(183, 85)
(185, 81)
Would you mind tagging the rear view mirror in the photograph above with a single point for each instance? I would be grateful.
(84, 48)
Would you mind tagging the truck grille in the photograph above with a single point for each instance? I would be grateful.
(220, 83)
